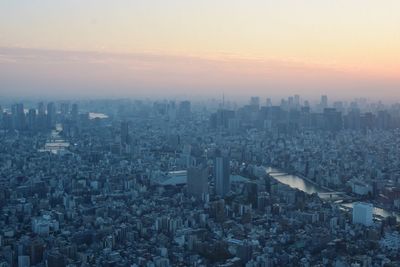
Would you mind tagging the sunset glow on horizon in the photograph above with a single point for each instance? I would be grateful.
(200, 46)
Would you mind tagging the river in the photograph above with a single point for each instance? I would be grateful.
(308, 187)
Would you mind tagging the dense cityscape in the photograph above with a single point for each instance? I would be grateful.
(207, 183)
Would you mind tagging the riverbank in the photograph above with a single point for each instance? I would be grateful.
(307, 186)
(286, 172)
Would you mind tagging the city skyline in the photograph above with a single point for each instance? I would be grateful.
(120, 182)
(223, 133)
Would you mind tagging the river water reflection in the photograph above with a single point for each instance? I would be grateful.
(295, 181)
(310, 188)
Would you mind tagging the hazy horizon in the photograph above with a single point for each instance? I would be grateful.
(72, 49)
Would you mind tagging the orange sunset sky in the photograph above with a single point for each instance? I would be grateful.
(168, 47)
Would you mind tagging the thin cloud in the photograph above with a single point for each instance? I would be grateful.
(29, 71)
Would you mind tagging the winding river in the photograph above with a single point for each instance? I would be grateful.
(308, 187)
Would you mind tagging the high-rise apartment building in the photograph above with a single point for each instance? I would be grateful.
(255, 103)
(31, 120)
(125, 132)
(74, 112)
(222, 172)
(197, 181)
(51, 115)
(324, 101)
(41, 117)
(362, 213)
(18, 116)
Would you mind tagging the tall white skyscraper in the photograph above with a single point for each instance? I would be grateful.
(222, 173)
(362, 213)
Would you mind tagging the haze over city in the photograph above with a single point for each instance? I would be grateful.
(209, 133)
(169, 48)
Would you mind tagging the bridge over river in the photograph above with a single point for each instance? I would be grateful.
(311, 187)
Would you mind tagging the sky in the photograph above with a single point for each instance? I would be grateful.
(169, 47)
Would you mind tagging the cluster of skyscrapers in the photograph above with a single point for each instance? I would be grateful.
(291, 115)
(42, 118)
